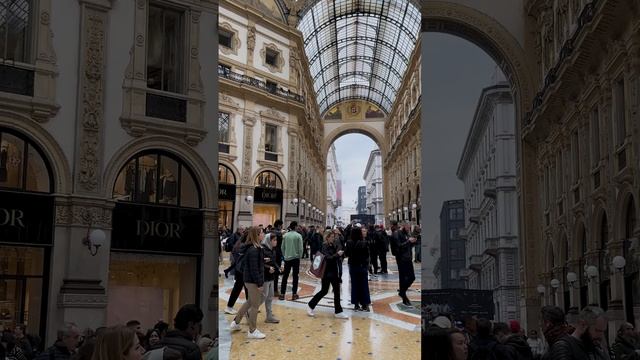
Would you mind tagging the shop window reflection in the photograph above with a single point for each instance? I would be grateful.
(268, 179)
(11, 161)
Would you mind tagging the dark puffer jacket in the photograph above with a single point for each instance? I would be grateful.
(181, 341)
(401, 239)
(358, 253)
(58, 351)
(521, 349)
(571, 348)
(253, 269)
(625, 350)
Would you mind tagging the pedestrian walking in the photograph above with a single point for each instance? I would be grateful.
(292, 252)
(253, 271)
(402, 243)
(332, 254)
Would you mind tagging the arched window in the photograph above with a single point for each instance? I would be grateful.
(225, 175)
(157, 177)
(268, 179)
(22, 164)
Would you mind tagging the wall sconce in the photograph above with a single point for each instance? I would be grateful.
(393, 212)
(314, 208)
(414, 206)
(405, 208)
(94, 240)
(309, 205)
(248, 199)
(541, 289)
(591, 272)
(555, 284)
(572, 278)
(303, 201)
(619, 263)
(294, 201)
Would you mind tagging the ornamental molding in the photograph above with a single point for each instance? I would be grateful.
(517, 67)
(82, 301)
(279, 65)
(273, 114)
(83, 215)
(247, 151)
(235, 40)
(227, 100)
(92, 107)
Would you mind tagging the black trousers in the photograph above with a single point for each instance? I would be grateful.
(335, 284)
(406, 275)
(383, 261)
(374, 261)
(288, 265)
(276, 276)
(237, 288)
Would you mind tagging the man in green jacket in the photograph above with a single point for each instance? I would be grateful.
(291, 252)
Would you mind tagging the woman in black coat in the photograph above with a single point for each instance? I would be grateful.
(357, 251)
(253, 270)
(332, 255)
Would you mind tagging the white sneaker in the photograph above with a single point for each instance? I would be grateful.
(310, 312)
(230, 311)
(256, 334)
(341, 315)
(234, 327)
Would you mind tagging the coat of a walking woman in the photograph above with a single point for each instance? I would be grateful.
(357, 251)
(332, 255)
(253, 271)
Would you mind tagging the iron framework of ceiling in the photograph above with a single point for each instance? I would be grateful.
(359, 49)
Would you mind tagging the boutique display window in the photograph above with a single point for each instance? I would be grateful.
(21, 291)
(26, 232)
(156, 240)
(22, 166)
(268, 195)
(226, 196)
(157, 178)
(149, 287)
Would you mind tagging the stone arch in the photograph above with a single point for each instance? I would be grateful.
(491, 36)
(357, 128)
(550, 257)
(52, 151)
(274, 170)
(233, 168)
(626, 196)
(579, 230)
(563, 250)
(204, 175)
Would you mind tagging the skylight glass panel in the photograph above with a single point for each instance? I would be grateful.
(362, 47)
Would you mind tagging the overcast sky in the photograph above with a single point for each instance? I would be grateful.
(454, 73)
(352, 152)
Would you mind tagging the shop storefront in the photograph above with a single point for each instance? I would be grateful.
(26, 232)
(268, 195)
(156, 241)
(226, 197)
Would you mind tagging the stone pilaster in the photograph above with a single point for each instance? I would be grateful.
(90, 133)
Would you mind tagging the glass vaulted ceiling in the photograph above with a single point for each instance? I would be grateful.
(359, 49)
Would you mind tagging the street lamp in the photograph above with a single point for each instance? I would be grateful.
(541, 289)
(572, 278)
(591, 272)
(619, 263)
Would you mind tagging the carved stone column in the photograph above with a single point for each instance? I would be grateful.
(93, 41)
(209, 282)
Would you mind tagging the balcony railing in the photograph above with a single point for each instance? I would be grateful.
(225, 73)
(475, 262)
(474, 215)
(491, 246)
(490, 188)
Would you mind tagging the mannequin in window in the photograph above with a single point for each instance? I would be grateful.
(168, 186)
(3, 164)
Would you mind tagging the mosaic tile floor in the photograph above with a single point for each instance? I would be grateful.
(390, 331)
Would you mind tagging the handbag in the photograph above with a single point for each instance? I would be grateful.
(318, 265)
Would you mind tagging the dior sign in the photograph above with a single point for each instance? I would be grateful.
(11, 217)
(267, 195)
(26, 218)
(156, 229)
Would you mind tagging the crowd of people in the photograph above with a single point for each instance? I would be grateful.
(262, 259)
(126, 341)
(576, 335)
